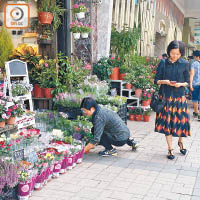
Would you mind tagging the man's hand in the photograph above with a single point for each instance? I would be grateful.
(88, 147)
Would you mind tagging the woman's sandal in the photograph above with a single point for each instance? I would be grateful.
(182, 150)
(170, 154)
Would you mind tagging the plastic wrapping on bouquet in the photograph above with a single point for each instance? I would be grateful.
(39, 181)
(56, 170)
(69, 162)
(63, 166)
(80, 159)
(24, 189)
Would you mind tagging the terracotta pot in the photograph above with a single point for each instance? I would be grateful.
(131, 117)
(45, 17)
(38, 91)
(138, 118)
(138, 92)
(115, 74)
(121, 76)
(146, 118)
(47, 93)
(146, 102)
(11, 120)
(2, 124)
(128, 86)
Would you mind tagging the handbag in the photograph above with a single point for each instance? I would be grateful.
(158, 100)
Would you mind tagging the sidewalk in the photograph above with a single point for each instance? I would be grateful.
(146, 174)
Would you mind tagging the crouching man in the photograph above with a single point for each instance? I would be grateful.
(109, 129)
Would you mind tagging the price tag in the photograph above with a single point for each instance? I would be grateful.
(18, 155)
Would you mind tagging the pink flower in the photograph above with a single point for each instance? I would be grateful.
(76, 5)
(147, 59)
(9, 110)
(118, 58)
(148, 95)
(46, 64)
(1, 94)
(112, 58)
(88, 67)
(148, 76)
(144, 94)
(14, 107)
(4, 116)
(8, 113)
(132, 108)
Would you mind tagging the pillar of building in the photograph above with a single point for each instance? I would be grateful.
(104, 24)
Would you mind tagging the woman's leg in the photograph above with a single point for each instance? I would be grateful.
(180, 140)
(169, 141)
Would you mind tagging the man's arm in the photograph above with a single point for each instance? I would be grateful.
(191, 78)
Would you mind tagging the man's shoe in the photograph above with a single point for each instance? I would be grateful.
(195, 114)
(134, 146)
(105, 153)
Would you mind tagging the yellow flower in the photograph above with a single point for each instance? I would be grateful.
(41, 62)
(12, 136)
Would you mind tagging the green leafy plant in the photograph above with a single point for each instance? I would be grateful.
(147, 111)
(6, 46)
(103, 68)
(139, 110)
(124, 69)
(86, 28)
(124, 42)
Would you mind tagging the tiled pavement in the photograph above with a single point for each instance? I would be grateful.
(146, 174)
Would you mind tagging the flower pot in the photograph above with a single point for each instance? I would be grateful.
(2, 124)
(38, 91)
(24, 189)
(45, 17)
(47, 93)
(146, 118)
(76, 36)
(146, 102)
(69, 162)
(128, 86)
(80, 15)
(121, 76)
(84, 35)
(11, 120)
(39, 182)
(131, 117)
(138, 118)
(138, 92)
(115, 74)
(63, 166)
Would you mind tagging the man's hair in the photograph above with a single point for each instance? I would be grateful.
(88, 103)
(164, 55)
(196, 53)
(175, 44)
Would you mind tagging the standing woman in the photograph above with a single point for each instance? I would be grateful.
(173, 76)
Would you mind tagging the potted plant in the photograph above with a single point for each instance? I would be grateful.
(123, 70)
(13, 112)
(21, 88)
(103, 68)
(85, 29)
(131, 112)
(75, 29)
(147, 114)
(146, 97)
(48, 77)
(116, 63)
(138, 113)
(50, 12)
(3, 113)
(79, 10)
(8, 179)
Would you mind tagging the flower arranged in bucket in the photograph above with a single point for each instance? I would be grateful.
(79, 10)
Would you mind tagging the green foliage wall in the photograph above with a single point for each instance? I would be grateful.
(6, 46)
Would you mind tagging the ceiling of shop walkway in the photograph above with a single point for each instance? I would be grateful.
(191, 7)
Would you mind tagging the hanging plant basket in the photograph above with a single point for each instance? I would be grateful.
(45, 17)
(80, 15)
(76, 36)
(84, 35)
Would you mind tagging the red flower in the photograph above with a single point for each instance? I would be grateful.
(14, 107)
(9, 110)
(28, 135)
(10, 145)
(118, 58)
(8, 113)
(112, 58)
(3, 146)
(21, 133)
